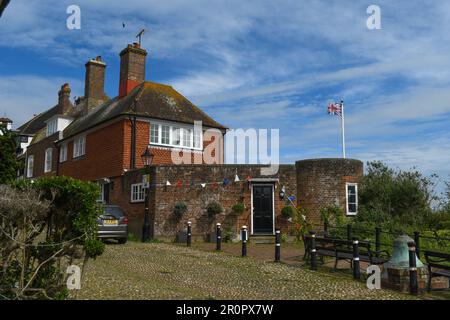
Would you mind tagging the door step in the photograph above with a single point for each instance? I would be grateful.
(263, 239)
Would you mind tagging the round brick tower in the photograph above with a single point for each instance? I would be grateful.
(322, 183)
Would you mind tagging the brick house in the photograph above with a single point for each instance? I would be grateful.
(101, 139)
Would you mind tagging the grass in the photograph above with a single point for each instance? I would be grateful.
(167, 271)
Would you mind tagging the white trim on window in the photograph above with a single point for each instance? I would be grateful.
(175, 135)
(137, 193)
(79, 147)
(48, 160)
(30, 166)
(52, 127)
(63, 153)
(351, 211)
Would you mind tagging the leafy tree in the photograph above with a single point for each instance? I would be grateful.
(46, 225)
(397, 198)
(8, 160)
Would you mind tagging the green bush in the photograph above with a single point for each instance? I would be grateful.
(57, 216)
(238, 208)
(214, 208)
(288, 212)
(180, 208)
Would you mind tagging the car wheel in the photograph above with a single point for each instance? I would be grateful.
(123, 240)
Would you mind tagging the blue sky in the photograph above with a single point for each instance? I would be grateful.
(257, 64)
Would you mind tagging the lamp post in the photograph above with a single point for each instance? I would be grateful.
(147, 159)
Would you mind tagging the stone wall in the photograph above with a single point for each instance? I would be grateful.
(163, 199)
(322, 182)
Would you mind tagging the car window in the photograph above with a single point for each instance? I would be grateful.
(114, 211)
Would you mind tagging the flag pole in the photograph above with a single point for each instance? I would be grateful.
(343, 129)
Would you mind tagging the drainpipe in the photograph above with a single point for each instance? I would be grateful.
(133, 143)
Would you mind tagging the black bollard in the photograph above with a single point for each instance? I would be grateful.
(413, 285)
(417, 242)
(313, 250)
(377, 240)
(244, 241)
(277, 245)
(189, 234)
(356, 271)
(218, 237)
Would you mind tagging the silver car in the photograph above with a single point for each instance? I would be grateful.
(113, 224)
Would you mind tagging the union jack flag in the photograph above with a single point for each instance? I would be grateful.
(335, 109)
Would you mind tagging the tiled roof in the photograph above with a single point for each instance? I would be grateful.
(38, 122)
(149, 99)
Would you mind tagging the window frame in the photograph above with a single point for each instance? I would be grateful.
(63, 153)
(173, 127)
(52, 127)
(140, 191)
(48, 160)
(76, 146)
(30, 174)
(347, 203)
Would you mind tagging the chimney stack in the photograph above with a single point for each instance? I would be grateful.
(64, 104)
(132, 68)
(94, 86)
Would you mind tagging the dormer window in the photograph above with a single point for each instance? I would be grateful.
(52, 127)
(57, 123)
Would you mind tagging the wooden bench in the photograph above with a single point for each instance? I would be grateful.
(436, 266)
(341, 249)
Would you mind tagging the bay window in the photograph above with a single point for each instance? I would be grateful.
(165, 134)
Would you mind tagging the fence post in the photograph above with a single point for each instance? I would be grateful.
(417, 242)
(377, 240)
(244, 241)
(218, 237)
(313, 250)
(277, 245)
(356, 271)
(189, 234)
(413, 285)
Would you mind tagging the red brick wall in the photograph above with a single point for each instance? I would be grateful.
(103, 158)
(164, 199)
(321, 183)
(38, 151)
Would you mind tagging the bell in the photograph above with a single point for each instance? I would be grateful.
(400, 256)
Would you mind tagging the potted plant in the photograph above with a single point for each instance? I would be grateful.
(213, 208)
(179, 209)
(238, 209)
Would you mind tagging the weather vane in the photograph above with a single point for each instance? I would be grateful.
(139, 36)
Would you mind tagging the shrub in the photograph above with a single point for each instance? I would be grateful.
(56, 218)
(180, 209)
(214, 208)
(238, 208)
(288, 212)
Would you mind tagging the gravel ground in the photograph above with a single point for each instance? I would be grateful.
(167, 271)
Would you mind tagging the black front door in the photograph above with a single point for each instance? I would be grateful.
(262, 209)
